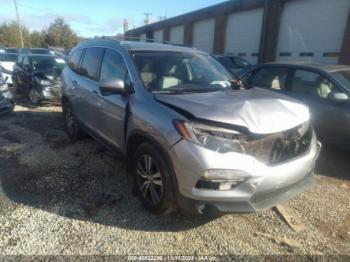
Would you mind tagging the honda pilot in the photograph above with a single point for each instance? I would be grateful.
(193, 137)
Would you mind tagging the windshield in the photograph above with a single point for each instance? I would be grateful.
(165, 71)
(343, 77)
(8, 57)
(47, 64)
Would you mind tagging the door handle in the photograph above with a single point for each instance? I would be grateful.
(95, 92)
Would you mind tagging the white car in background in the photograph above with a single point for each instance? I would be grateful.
(7, 61)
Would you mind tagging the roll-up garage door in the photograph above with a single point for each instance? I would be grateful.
(243, 33)
(158, 35)
(203, 35)
(312, 30)
(177, 35)
(143, 37)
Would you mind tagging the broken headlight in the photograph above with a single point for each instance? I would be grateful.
(217, 139)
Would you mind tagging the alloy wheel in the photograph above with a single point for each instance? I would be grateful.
(149, 179)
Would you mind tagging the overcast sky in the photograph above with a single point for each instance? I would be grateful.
(91, 17)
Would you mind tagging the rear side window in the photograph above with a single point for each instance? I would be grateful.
(74, 60)
(90, 66)
(113, 66)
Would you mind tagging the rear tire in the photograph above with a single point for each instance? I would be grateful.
(153, 180)
(70, 123)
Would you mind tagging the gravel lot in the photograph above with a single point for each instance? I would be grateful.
(63, 198)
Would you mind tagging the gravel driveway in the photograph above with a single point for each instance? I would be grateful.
(63, 198)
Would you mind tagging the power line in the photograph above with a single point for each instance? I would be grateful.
(19, 24)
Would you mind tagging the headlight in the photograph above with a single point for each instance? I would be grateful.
(217, 139)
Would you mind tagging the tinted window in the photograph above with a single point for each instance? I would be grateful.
(91, 63)
(113, 66)
(74, 60)
(274, 78)
(312, 83)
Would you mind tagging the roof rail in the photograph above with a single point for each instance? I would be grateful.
(136, 39)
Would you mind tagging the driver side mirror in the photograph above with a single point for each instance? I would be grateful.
(110, 87)
(339, 97)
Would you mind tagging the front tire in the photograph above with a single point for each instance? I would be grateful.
(70, 123)
(34, 96)
(153, 180)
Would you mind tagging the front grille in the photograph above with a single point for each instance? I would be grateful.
(279, 147)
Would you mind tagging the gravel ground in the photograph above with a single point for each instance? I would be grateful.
(62, 198)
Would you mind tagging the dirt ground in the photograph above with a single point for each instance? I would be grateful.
(63, 198)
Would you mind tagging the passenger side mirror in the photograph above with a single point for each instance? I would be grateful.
(339, 97)
(110, 87)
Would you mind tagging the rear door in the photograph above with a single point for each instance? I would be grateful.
(87, 86)
(330, 118)
(111, 109)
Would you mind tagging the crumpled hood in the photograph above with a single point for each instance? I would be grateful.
(260, 111)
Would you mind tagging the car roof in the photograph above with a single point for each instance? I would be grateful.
(306, 65)
(136, 45)
(39, 55)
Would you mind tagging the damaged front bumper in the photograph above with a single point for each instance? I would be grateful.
(264, 186)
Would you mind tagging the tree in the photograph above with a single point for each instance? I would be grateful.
(59, 34)
(9, 34)
(37, 39)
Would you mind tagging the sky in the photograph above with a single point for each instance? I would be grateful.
(92, 17)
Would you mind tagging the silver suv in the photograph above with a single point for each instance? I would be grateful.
(191, 138)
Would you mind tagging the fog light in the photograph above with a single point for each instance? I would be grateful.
(223, 180)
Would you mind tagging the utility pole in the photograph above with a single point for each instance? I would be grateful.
(147, 20)
(19, 24)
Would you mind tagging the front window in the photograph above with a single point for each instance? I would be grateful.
(181, 71)
(343, 77)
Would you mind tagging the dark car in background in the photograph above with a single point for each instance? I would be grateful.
(38, 76)
(324, 88)
(232, 63)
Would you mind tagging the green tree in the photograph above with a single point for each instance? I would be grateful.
(37, 39)
(9, 35)
(59, 34)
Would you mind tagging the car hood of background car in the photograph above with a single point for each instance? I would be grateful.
(258, 110)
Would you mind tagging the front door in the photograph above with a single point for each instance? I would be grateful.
(331, 119)
(112, 108)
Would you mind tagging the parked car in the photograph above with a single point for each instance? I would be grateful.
(233, 63)
(35, 51)
(38, 76)
(324, 88)
(11, 50)
(6, 99)
(7, 61)
(189, 139)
